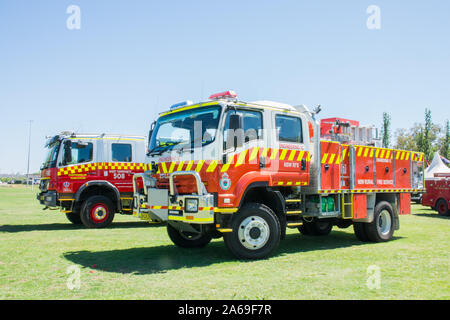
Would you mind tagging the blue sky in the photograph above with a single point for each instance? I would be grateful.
(133, 59)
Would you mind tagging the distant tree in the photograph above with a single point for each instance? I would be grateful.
(426, 135)
(444, 141)
(386, 130)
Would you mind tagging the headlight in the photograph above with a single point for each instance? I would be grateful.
(191, 205)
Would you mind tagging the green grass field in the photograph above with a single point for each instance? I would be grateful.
(135, 260)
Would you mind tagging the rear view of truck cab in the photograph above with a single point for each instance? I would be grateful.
(89, 176)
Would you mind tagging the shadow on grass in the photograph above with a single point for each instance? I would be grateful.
(432, 215)
(160, 259)
(69, 226)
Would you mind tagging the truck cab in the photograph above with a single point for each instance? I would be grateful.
(209, 160)
(89, 176)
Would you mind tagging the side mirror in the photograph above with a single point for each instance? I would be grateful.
(67, 152)
(235, 133)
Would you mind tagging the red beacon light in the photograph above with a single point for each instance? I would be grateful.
(227, 95)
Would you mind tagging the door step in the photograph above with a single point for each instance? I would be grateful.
(294, 224)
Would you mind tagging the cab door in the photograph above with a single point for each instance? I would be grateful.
(241, 147)
(289, 157)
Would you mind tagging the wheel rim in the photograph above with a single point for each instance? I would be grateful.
(253, 232)
(442, 207)
(384, 222)
(99, 213)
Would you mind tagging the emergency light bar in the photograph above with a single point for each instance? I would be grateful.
(181, 104)
(230, 94)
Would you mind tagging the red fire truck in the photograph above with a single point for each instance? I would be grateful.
(89, 176)
(437, 196)
(249, 170)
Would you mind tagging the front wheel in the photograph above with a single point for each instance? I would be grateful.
(97, 212)
(74, 217)
(256, 232)
(442, 207)
(186, 239)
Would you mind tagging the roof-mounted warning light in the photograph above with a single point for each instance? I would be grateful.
(181, 104)
(226, 95)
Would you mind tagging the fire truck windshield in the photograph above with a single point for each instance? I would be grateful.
(181, 129)
(52, 155)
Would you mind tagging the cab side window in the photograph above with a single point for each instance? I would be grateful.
(121, 152)
(289, 129)
(80, 153)
(252, 124)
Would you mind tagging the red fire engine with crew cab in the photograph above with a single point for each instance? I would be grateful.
(249, 170)
(89, 176)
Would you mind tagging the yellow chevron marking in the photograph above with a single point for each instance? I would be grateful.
(407, 156)
(366, 152)
(253, 154)
(264, 153)
(300, 155)
(180, 166)
(283, 154)
(330, 161)
(377, 153)
(212, 166)
(343, 154)
(402, 155)
(280, 183)
(388, 154)
(274, 154)
(163, 166)
(382, 153)
(199, 165)
(172, 166)
(189, 166)
(241, 158)
(308, 157)
(360, 150)
(292, 155)
(226, 166)
(324, 158)
(397, 154)
(289, 183)
(337, 159)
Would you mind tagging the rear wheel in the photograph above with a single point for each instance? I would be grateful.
(97, 212)
(186, 239)
(382, 227)
(256, 232)
(74, 217)
(442, 207)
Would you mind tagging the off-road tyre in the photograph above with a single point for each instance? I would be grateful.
(187, 239)
(256, 232)
(381, 229)
(97, 212)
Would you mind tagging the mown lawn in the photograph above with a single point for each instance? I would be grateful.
(135, 260)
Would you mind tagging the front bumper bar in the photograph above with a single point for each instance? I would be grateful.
(165, 205)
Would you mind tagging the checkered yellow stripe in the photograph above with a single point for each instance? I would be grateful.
(88, 167)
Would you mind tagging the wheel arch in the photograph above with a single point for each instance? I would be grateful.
(260, 192)
(104, 188)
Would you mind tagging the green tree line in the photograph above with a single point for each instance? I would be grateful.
(426, 137)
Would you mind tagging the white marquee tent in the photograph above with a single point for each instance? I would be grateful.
(436, 166)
